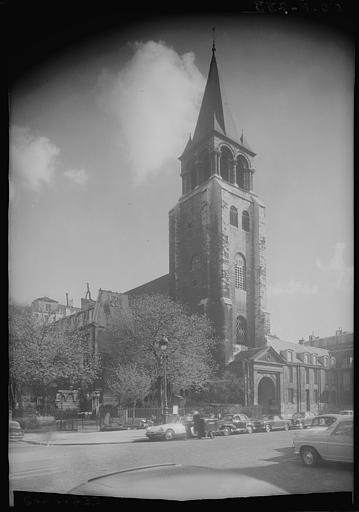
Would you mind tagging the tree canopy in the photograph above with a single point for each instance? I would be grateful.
(40, 354)
(138, 333)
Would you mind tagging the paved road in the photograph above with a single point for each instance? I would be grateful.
(268, 457)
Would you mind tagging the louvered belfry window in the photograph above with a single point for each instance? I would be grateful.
(241, 330)
(240, 272)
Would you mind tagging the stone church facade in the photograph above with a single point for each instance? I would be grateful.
(217, 229)
(217, 266)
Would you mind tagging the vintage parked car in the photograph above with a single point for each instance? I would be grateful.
(167, 431)
(347, 412)
(302, 419)
(323, 421)
(16, 432)
(335, 443)
(138, 423)
(235, 424)
(271, 422)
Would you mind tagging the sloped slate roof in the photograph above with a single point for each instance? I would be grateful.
(279, 345)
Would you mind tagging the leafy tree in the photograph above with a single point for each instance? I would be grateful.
(41, 356)
(129, 383)
(229, 388)
(137, 335)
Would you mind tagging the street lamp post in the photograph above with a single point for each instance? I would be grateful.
(164, 356)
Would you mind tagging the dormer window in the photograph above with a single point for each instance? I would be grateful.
(332, 361)
(326, 361)
(314, 359)
(290, 356)
(306, 358)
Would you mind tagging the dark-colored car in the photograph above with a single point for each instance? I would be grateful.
(302, 419)
(16, 432)
(271, 422)
(235, 424)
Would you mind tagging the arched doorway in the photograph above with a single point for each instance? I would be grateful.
(266, 395)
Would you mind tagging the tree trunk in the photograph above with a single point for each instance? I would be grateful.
(134, 409)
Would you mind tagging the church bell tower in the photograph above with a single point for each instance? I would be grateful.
(217, 229)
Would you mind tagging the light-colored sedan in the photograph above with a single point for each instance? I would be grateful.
(324, 421)
(167, 431)
(334, 443)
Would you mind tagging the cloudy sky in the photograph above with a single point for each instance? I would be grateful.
(95, 135)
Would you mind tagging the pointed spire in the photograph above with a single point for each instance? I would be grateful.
(214, 40)
(213, 105)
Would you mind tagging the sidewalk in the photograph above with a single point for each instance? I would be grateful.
(86, 438)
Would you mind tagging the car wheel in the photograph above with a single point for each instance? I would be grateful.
(268, 428)
(286, 426)
(309, 456)
(250, 429)
(226, 431)
(169, 434)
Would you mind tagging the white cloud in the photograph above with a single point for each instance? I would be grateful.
(32, 158)
(78, 176)
(292, 287)
(156, 100)
(342, 273)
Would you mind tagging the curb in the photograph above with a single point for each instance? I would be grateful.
(75, 444)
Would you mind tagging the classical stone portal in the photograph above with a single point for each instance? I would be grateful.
(267, 395)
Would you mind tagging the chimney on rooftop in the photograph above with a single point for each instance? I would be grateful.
(339, 332)
(67, 299)
(301, 341)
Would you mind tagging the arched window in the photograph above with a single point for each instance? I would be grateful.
(195, 263)
(245, 220)
(193, 175)
(233, 216)
(241, 172)
(241, 330)
(226, 157)
(240, 272)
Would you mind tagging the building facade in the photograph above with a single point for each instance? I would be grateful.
(341, 380)
(49, 310)
(217, 266)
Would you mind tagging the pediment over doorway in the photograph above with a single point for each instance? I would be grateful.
(259, 355)
(269, 355)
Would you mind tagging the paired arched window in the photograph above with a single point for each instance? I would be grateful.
(241, 330)
(240, 272)
(243, 178)
(225, 159)
(245, 220)
(233, 216)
